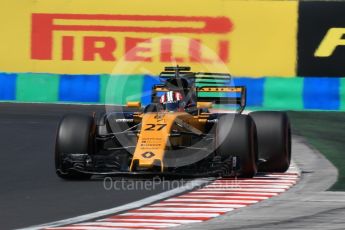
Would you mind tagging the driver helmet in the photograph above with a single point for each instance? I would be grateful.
(172, 101)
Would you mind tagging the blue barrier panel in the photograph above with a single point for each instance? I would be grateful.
(262, 93)
(321, 93)
(8, 86)
(149, 81)
(79, 88)
(255, 89)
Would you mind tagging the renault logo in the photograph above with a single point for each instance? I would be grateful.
(148, 154)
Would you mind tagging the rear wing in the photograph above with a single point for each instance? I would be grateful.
(206, 87)
(215, 88)
(200, 77)
(238, 97)
(239, 91)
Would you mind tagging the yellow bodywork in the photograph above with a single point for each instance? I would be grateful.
(204, 105)
(154, 138)
(134, 104)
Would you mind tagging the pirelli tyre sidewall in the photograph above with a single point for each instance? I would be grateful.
(274, 140)
(75, 135)
(236, 136)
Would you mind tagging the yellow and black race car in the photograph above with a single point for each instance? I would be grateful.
(178, 134)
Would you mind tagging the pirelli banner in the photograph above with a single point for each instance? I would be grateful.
(69, 50)
(251, 38)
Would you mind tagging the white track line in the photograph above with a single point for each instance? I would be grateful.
(216, 198)
(169, 214)
(196, 209)
(254, 180)
(93, 228)
(226, 197)
(269, 194)
(261, 181)
(282, 177)
(200, 205)
(112, 224)
(208, 200)
(239, 190)
(248, 186)
(150, 220)
(137, 204)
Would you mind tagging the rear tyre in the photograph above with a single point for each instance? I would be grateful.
(236, 136)
(75, 135)
(274, 140)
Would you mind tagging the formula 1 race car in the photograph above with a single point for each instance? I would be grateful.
(178, 134)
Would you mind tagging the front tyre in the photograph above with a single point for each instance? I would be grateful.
(75, 135)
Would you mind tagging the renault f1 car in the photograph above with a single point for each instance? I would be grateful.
(192, 141)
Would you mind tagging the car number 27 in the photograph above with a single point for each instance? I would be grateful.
(155, 127)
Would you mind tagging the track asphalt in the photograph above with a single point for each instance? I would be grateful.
(30, 192)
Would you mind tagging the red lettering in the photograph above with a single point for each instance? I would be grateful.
(133, 49)
(166, 51)
(195, 53)
(223, 50)
(44, 25)
(41, 36)
(67, 47)
(105, 51)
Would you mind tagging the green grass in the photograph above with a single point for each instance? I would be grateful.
(326, 132)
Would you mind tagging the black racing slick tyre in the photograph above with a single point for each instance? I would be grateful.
(236, 136)
(274, 140)
(75, 135)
